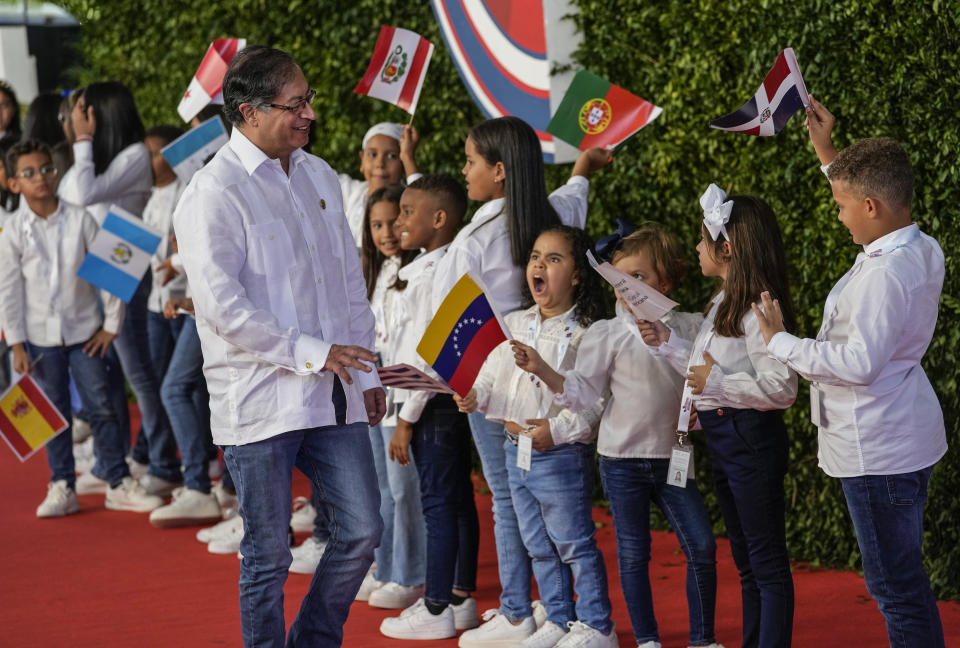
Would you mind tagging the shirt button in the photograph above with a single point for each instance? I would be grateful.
(270, 237)
(719, 412)
(313, 247)
(319, 280)
(301, 215)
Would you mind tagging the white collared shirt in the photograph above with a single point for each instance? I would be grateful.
(412, 315)
(874, 407)
(276, 281)
(641, 390)
(382, 303)
(41, 298)
(507, 393)
(158, 214)
(126, 182)
(482, 248)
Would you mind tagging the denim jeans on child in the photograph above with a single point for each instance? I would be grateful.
(402, 554)
(52, 374)
(887, 513)
(750, 456)
(441, 444)
(555, 496)
(513, 563)
(631, 485)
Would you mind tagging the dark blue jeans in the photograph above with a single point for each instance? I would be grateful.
(631, 485)
(441, 444)
(750, 456)
(887, 513)
(52, 374)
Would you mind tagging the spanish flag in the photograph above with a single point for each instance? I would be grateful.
(463, 332)
(28, 420)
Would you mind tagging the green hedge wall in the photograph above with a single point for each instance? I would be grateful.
(884, 68)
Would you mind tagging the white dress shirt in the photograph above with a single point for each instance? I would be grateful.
(482, 248)
(382, 303)
(41, 298)
(641, 390)
(744, 375)
(507, 393)
(158, 214)
(126, 182)
(276, 281)
(355, 194)
(875, 409)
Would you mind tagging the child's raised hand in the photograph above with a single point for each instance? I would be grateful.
(819, 124)
(539, 431)
(770, 317)
(408, 149)
(527, 357)
(84, 122)
(653, 333)
(591, 160)
(467, 404)
(697, 378)
(400, 441)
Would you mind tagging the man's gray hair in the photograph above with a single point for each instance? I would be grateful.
(256, 75)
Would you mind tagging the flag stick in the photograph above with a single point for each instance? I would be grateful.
(410, 123)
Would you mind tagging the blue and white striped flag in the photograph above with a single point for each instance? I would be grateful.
(186, 154)
(120, 254)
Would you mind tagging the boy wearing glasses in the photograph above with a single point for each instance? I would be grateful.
(53, 324)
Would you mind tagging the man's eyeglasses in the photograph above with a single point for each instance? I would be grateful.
(30, 172)
(297, 107)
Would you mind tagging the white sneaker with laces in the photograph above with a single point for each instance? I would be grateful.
(394, 596)
(227, 538)
(83, 458)
(465, 615)
(188, 508)
(369, 585)
(90, 484)
(416, 622)
(583, 636)
(307, 556)
(159, 486)
(546, 637)
(129, 495)
(303, 515)
(225, 498)
(137, 469)
(539, 613)
(209, 533)
(497, 632)
(651, 644)
(60, 500)
(80, 430)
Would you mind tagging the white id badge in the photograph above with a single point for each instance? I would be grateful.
(815, 406)
(524, 452)
(680, 460)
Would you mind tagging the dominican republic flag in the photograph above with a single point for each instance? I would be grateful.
(398, 68)
(206, 83)
(596, 113)
(120, 254)
(186, 154)
(782, 94)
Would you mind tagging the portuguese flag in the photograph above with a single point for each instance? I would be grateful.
(596, 113)
(28, 420)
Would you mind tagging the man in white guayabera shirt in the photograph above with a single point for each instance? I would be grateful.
(285, 329)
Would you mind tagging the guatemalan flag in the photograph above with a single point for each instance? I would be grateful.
(398, 68)
(120, 254)
(207, 82)
(782, 94)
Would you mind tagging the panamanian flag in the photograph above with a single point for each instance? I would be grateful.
(120, 254)
(782, 94)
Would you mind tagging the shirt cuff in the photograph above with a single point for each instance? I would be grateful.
(83, 150)
(825, 170)
(413, 407)
(713, 389)
(579, 180)
(781, 346)
(366, 380)
(309, 355)
(413, 177)
(176, 262)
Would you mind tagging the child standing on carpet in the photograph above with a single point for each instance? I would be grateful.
(551, 492)
(740, 392)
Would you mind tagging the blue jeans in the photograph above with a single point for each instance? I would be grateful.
(441, 443)
(631, 485)
(339, 463)
(402, 554)
(750, 456)
(887, 513)
(52, 374)
(555, 510)
(179, 391)
(513, 562)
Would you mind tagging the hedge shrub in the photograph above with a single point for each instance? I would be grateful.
(883, 67)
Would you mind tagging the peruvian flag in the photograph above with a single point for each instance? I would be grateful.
(207, 82)
(782, 94)
(398, 68)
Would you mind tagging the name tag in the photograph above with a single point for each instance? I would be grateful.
(680, 460)
(524, 452)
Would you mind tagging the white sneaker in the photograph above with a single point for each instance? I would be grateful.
(228, 537)
(307, 556)
(90, 484)
(497, 632)
(655, 644)
(209, 533)
(158, 486)
(60, 500)
(80, 430)
(465, 615)
(225, 498)
(546, 637)
(583, 636)
(369, 585)
(303, 515)
(188, 508)
(129, 495)
(83, 458)
(137, 469)
(394, 596)
(539, 613)
(416, 622)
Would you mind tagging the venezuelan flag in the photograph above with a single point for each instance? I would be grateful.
(462, 334)
(28, 420)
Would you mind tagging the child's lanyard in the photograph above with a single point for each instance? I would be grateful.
(533, 333)
(696, 358)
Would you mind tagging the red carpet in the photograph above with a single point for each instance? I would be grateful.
(104, 579)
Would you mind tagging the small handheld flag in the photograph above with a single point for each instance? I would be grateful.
(782, 94)
(187, 153)
(120, 254)
(398, 68)
(644, 301)
(463, 332)
(596, 113)
(404, 376)
(28, 420)
(206, 84)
